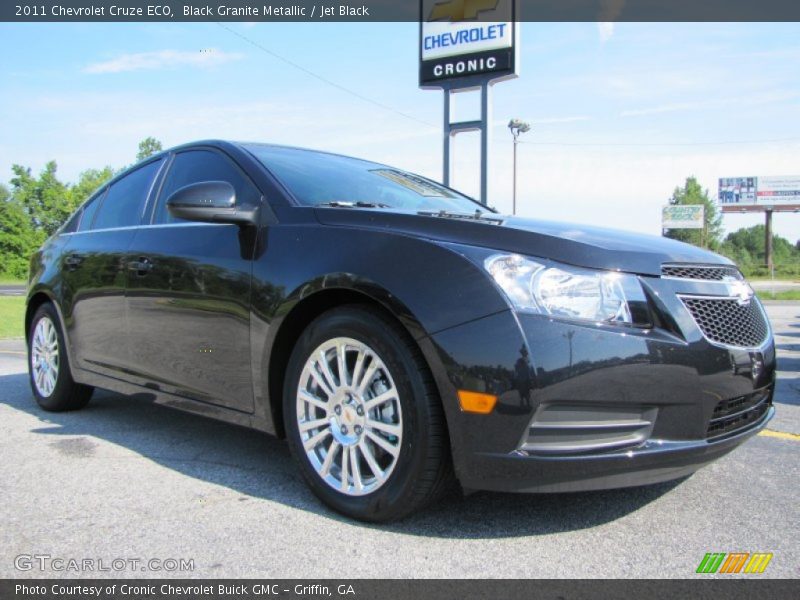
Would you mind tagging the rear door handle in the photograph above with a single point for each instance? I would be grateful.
(142, 266)
(73, 261)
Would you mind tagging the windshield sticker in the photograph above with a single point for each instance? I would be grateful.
(415, 184)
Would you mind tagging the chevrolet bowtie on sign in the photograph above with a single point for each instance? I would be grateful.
(466, 41)
(460, 10)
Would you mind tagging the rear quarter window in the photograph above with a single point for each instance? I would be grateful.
(88, 211)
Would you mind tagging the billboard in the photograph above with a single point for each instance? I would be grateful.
(466, 41)
(683, 216)
(774, 191)
(737, 190)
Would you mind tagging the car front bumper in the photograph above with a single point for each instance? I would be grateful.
(673, 403)
(654, 461)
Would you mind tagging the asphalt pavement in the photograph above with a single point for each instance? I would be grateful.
(131, 481)
(12, 290)
(774, 287)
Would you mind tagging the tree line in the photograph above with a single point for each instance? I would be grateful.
(35, 206)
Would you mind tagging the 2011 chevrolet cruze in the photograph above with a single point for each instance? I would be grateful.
(397, 333)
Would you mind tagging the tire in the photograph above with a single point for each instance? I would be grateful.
(47, 355)
(412, 452)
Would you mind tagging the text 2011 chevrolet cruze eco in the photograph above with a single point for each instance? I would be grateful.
(400, 335)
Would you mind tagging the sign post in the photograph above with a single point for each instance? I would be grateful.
(467, 45)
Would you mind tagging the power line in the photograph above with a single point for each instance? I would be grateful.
(324, 80)
(663, 144)
(405, 115)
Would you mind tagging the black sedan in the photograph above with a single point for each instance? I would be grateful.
(399, 335)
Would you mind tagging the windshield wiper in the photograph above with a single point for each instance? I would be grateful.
(359, 204)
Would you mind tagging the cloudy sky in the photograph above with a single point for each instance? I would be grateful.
(621, 113)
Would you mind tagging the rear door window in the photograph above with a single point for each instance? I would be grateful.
(125, 198)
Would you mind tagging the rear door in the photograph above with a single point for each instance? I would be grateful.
(189, 302)
(94, 271)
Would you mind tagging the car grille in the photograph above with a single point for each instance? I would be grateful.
(737, 413)
(705, 273)
(726, 321)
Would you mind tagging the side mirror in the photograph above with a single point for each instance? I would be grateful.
(209, 202)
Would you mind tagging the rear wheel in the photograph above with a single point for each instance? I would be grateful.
(50, 377)
(363, 418)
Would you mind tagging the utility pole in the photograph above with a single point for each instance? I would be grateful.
(516, 126)
(768, 239)
(514, 193)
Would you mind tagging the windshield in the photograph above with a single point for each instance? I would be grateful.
(317, 178)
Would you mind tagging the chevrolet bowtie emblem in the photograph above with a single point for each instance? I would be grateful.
(460, 10)
(740, 290)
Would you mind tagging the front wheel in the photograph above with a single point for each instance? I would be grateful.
(362, 416)
(48, 365)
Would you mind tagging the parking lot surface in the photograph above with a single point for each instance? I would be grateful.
(125, 479)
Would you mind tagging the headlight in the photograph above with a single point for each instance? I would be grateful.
(569, 292)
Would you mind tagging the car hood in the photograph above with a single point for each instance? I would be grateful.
(579, 245)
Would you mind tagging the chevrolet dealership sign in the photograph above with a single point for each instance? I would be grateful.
(464, 40)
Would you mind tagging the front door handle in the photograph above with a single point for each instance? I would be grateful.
(142, 266)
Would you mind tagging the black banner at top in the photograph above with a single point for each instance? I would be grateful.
(390, 10)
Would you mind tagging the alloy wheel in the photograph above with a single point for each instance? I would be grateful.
(349, 416)
(45, 356)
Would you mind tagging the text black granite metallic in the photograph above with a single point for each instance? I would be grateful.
(398, 334)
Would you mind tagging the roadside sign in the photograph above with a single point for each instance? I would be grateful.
(466, 42)
(683, 216)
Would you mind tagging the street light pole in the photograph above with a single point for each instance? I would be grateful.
(514, 193)
(516, 126)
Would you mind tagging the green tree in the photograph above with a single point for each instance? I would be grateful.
(36, 206)
(693, 193)
(751, 242)
(45, 199)
(749, 239)
(738, 254)
(746, 248)
(147, 147)
(88, 181)
(18, 239)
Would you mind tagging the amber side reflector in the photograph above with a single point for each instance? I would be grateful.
(475, 402)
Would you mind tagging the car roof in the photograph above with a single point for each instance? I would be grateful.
(248, 145)
(225, 145)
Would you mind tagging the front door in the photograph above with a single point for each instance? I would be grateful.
(188, 295)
